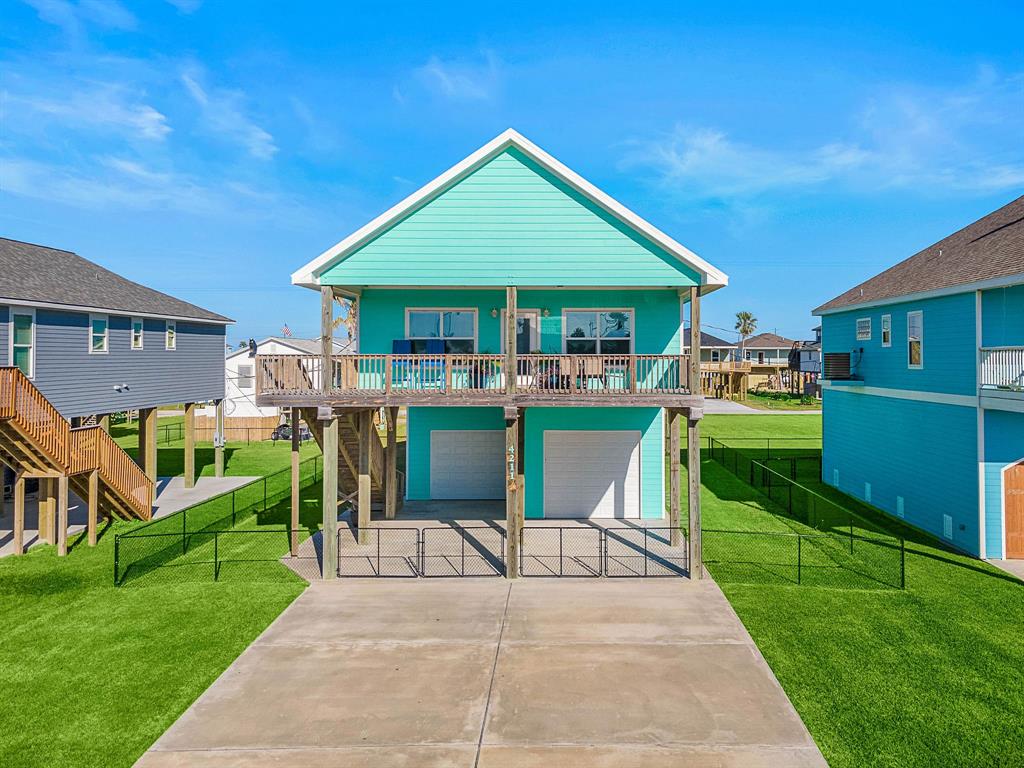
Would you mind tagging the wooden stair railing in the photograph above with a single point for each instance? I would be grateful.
(73, 451)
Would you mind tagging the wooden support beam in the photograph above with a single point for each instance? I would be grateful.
(391, 465)
(366, 434)
(675, 491)
(695, 388)
(521, 470)
(94, 505)
(19, 513)
(693, 472)
(326, 337)
(47, 510)
(190, 445)
(62, 515)
(329, 563)
(511, 499)
(147, 444)
(104, 421)
(510, 339)
(293, 536)
(218, 442)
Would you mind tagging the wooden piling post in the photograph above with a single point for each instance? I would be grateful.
(94, 505)
(693, 470)
(190, 445)
(218, 447)
(293, 535)
(329, 565)
(366, 433)
(19, 513)
(391, 464)
(675, 491)
(62, 515)
(511, 495)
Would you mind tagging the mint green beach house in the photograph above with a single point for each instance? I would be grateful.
(532, 327)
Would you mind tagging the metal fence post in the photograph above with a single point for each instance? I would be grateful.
(903, 563)
(232, 508)
(799, 558)
(462, 532)
(561, 571)
(216, 556)
(645, 551)
(378, 551)
(184, 531)
(264, 493)
(117, 554)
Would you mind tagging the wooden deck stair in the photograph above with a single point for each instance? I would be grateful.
(37, 440)
(348, 456)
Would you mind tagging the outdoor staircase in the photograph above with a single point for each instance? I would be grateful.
(37, 440)
(348, 458)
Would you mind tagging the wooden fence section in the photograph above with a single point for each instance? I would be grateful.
(433, 376)
(237, 428)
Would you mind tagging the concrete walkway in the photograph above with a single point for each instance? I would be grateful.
(714, 405)
(1012, 567)
(172, 495)
(493, 673)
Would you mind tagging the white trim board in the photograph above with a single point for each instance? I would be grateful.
(107, 311)
(309, 275)
(941, 398)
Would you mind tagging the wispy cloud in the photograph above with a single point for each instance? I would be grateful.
(186, 6)
(74, 17)
(906, 137)
(86, 105)
(461, 80)
(223, 112)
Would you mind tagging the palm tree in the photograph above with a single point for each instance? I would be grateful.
(348, 317)
(746, 325)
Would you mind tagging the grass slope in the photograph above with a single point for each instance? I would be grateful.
(929, 676)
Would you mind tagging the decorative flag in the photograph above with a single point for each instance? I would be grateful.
(286, 331)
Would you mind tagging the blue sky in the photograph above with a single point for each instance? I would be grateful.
(208, 149)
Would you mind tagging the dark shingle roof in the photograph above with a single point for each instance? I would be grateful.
(768, 341)
(36, 273)
(706, 340)
(991, 247)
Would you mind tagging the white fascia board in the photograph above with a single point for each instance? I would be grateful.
(980, 285)
(309, 275)
(5, 301)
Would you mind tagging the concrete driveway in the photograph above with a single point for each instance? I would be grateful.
(492, 673)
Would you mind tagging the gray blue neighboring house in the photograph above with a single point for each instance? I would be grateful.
(96, 343)
(924, 388)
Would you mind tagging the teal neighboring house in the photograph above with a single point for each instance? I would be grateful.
(534, 329)
(924, 388)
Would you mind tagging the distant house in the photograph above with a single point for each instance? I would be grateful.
(712, 348)
(767, 349)
(805, 356)
(78, 343)
(924, 387)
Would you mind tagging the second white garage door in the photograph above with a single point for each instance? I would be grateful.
(467, 464)
(591, 474)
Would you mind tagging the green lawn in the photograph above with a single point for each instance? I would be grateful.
(784, 403)
(923, 677)
(93, 674)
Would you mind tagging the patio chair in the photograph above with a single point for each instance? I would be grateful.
(432, 371)
(401, 370)
(592, 367)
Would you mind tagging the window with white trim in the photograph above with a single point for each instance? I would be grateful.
(171, 335)
(137, 333)
(99, 334)
(23, 340)
(599, 332)
(716, 356)
(455, 327)
(864, 329)
(915, 339)
(245, 377)
(886, 330)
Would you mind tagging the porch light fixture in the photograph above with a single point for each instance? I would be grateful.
(494, 311)
(546, 312)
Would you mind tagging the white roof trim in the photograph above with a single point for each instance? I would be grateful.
(978, 285)
(309, 275)
(7, 301)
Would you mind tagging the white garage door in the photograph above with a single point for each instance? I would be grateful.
(591, 474)
(467, 464)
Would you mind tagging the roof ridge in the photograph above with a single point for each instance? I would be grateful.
(37, 245)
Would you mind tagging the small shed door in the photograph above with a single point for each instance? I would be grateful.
(1013, 503)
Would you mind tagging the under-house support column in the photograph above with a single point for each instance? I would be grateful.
(512, 491)
(693, 491)
(391, 464)
(672, 422)
(329, 565)
(47, 510)
(293, 536)
(190, 445)
(94, 505)
(218, 439)
(19, 513)
(366, 434)
(61, 484)
(147, 444)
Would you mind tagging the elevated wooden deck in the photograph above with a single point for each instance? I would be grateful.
(371, 381)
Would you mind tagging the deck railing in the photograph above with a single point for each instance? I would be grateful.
(22, 403)
(547, 375)
(123, 475)
(1003, 367)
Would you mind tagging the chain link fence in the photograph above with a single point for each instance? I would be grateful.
(188, 536)
(843, 550)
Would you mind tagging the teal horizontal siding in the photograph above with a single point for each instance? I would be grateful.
(510, 222)
(655, 317)
(1002, 317)
(423, 421)
(648, 421)
(950, 351)
(924, 452)
(1004, 445)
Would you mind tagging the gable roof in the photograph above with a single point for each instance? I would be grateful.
(37, 275)
(707, 340)
(768, 341)
(989, 249)
(309, 275)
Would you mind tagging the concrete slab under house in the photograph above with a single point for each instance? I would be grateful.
(534, 329)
